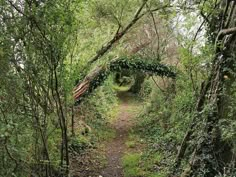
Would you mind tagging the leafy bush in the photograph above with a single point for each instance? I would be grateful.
(79, 144)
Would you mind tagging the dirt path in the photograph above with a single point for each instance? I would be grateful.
(116, 147)
(91, 162)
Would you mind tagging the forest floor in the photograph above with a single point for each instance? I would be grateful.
(116, 148)
(106, 160)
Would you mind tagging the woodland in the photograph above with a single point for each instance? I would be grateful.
(117, 88)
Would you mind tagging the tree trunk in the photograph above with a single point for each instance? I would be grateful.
(139, 79)
(204, 130)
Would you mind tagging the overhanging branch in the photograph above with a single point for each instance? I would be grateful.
(138, 15)
(223, 33)
(227, 31)
(118, 35)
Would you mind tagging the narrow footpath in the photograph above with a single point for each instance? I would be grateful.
(106, 159)
(116, 148)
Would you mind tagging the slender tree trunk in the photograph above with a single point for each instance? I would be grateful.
(139, 79)
(72, 122)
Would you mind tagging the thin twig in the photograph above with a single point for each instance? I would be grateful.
(157, 85)
(119, 35)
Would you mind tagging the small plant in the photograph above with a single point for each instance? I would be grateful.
(130, 163)
(79, 144)
(130, 144)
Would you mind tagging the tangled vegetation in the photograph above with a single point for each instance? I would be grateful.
(99, 74)
(66, 67)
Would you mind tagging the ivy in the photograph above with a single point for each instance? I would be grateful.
(128, 64)
(141, 65)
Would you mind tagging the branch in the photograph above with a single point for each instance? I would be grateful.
(205, 17)
(157, 85)
(227, 31)
(156, 31)
(16, 8)
(119, 35)
(199, 30)
(32, 19)
(224, 32)
(230, 14)
(222, 25)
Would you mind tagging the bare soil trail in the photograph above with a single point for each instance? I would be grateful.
(116, 148)
(105, 160)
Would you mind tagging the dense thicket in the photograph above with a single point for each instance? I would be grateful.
(36, 38)
(188, 125)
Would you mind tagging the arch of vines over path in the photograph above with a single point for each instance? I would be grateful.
(115, 149)
(99, 74)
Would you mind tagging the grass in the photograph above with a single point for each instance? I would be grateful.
(136, 165)
(150, 160)
(130, 163)
(113, 113)
(130, 144)
(121, 88)
(137, 162)
(140, 161)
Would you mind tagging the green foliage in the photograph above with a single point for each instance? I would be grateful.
(99, 113)
(79, 144)
(130, 163)
(36, 37)
(45, 48)
(164, 121)
(128, 64)
(140, 65)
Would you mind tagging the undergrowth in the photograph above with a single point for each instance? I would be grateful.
(94, 117)
(159, 129)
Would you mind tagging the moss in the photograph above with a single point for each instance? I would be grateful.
(130, 144)
(159, 174)
(130, 164)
